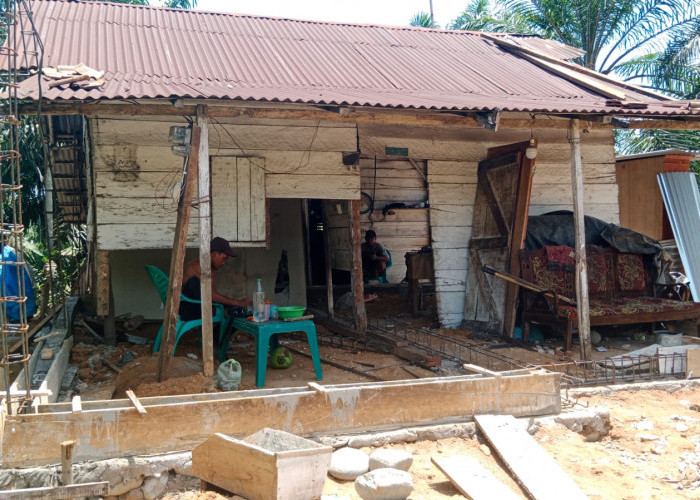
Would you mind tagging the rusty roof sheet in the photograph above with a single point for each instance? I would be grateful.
(151, 52)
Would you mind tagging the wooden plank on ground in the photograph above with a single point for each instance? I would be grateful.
(472, 479)
(537, 472)
(58, 492)
(135, 401)
(692, 367)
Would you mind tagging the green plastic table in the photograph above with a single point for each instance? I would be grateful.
(269, 330)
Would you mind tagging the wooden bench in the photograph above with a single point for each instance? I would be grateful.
(620, 288)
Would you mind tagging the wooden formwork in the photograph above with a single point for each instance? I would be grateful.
(105, 429)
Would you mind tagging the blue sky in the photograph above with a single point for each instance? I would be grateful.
(388, 12)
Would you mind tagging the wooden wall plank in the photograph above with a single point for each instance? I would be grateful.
(451, 237)
(224, 198)
(450, 259)
(243, 201)
(608, 212)
(257, 203)
(458, 216)
(142, 236)
(324, 187)
(452, 194)
(556, 173)
(129, 160)
(474, 151)
(137, 210)
(247, 137)
(470, 145)
(559, 194)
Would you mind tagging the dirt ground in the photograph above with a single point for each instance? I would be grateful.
(98, 376)
(652, 452)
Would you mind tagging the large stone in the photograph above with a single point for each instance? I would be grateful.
(592, 423)
(154, 486)
(384, 484)
(348, 463)
(392, 459)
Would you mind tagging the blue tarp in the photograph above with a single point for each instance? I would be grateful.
(9, 285)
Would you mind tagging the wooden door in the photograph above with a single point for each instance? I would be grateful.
(498, 231)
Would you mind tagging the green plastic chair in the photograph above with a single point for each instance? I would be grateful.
(161, 281)
(382, 279)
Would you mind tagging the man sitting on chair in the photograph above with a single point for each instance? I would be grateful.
(191, 287)
(374, 257)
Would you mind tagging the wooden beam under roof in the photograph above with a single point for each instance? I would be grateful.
(353, 115)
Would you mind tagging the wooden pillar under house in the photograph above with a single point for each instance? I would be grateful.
(358, 287)
(328, 262)
(204, 204)
(177, 260)
(582, 307)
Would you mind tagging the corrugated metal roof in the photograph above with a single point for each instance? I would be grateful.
(662, 152)
(682, 201)
(150, 52)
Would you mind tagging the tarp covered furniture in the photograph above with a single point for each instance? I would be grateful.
(620, 287)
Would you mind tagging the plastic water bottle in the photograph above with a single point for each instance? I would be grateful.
(259, 303)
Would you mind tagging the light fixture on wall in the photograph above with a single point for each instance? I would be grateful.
(531, 150)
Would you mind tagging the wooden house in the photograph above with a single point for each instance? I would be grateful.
(641, 204)
(299, 114)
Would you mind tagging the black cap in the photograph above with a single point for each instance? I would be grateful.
(219, 244)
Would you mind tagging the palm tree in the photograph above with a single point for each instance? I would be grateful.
(424, 20)
(481, 15)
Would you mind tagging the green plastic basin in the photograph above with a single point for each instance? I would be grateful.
(290, 311)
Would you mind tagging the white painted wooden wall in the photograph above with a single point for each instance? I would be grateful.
(137, 176)
(453, 156)
(400, 230)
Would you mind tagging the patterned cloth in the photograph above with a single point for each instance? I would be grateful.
(599, 273)
(629, 305)
(550, 279)
(630, 272)
(560, 257)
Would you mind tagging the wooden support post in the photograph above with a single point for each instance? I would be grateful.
(204, 243)
(582, 309)
(358, 286)
(102, 292)
(307, 240)
(177, 259)
(67, 462)
(328, 261)
(110, 326)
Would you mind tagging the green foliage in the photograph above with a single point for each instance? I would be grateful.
(31, 166)
(481, 15)
(423, 20)
(651, 43)
(66, 259)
